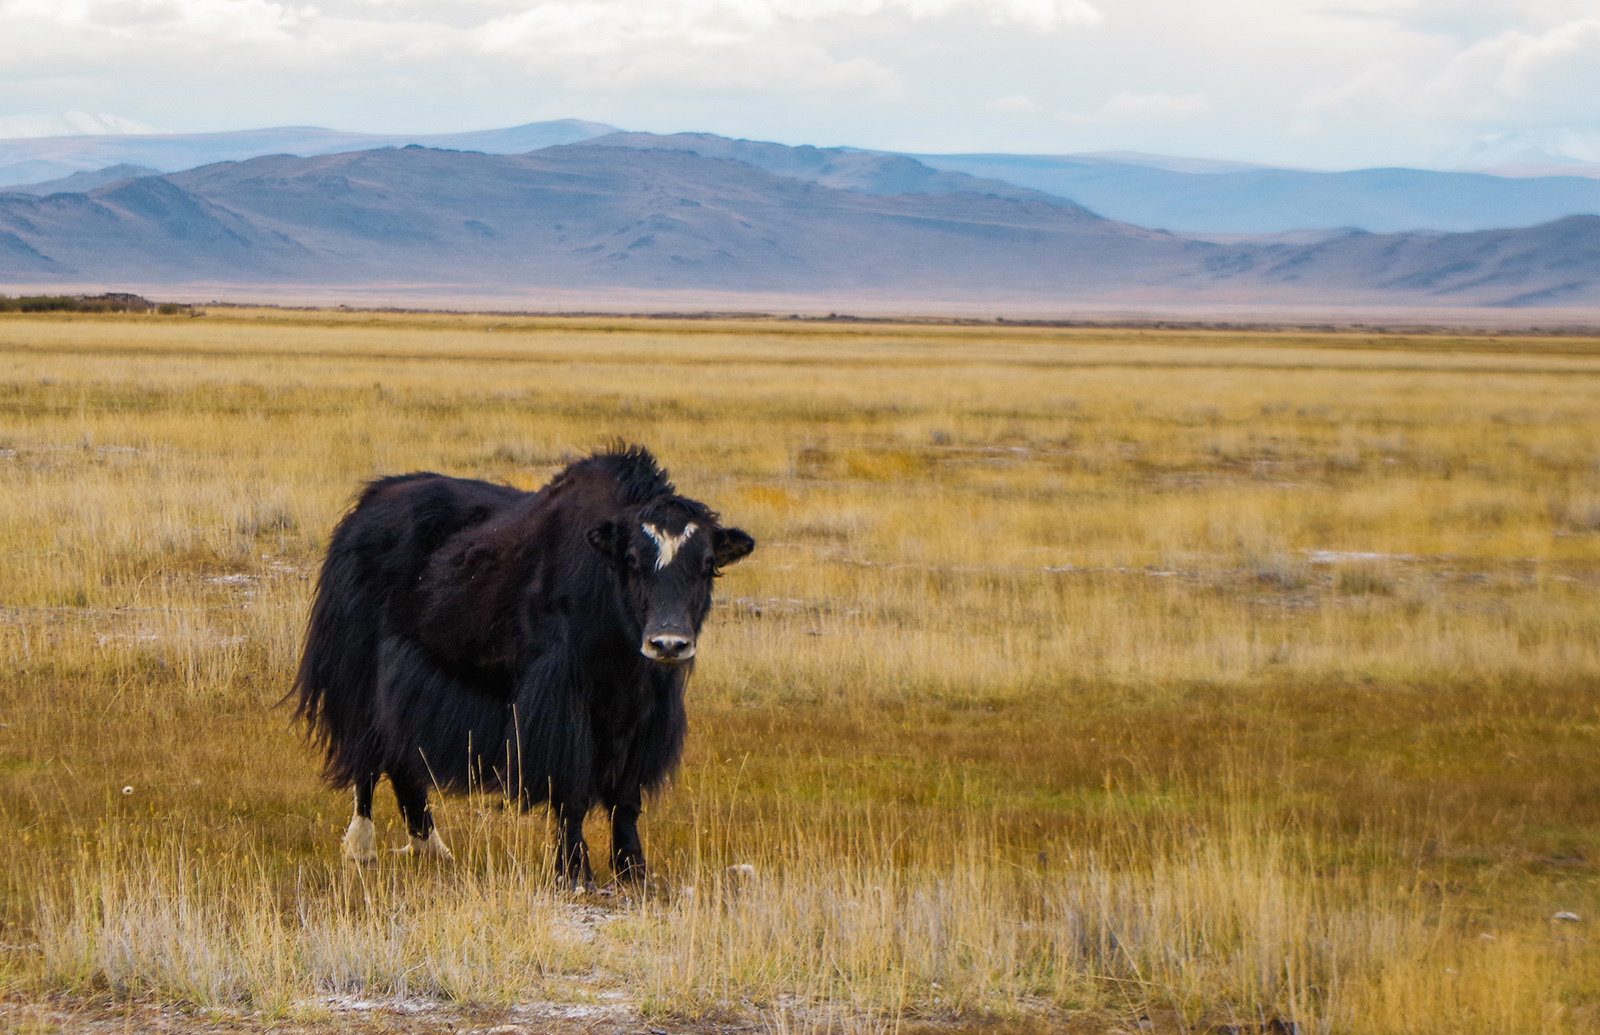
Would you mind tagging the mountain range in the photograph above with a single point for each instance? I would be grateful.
(1204, 197)
(692, 211)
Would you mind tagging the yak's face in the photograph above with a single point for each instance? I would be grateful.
(667, 559)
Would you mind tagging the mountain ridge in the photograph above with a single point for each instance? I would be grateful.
(25, 160)
(623, 217)
(1184, 195)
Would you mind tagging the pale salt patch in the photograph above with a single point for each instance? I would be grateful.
(355, 1003)
(1344, 556)
(575, 1011)
(239, 579)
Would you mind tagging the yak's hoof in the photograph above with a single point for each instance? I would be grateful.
(360, 843)
(430, 847)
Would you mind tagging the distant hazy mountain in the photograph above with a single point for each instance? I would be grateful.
(1186, 195)
(1527, 169)
(85, 181)
(28, 160)
(1171, 163)
(844, 168)
(1544, 151)
(1274, 200)
(608, 216)
(1179, 194)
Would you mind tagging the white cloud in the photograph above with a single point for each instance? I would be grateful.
(1129, 106)
(1301, 82)
(1518, 67)
(1016, 104)
(1155, 106)
(731, 44)
(222, 22)
(1545, 74)
(608, 45)
(1039, 15)
(709, 46)
(70, 124)
(1561, 146)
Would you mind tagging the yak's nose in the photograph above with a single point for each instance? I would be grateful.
(668, 647)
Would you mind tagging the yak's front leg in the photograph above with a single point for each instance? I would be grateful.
(572, 857)
(360, 844)
(627, 851)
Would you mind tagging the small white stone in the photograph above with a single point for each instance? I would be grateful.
(1570, 918)
(127, 790)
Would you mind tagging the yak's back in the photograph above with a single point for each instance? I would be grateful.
(627, 476)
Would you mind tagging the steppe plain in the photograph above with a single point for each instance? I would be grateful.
(1084, 680)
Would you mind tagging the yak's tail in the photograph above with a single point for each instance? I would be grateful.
(337, 680)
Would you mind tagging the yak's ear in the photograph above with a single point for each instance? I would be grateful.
(731, 544)
(607, 538)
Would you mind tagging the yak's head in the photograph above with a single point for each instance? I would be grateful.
(666, 555)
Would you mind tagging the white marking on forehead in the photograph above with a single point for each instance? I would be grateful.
(667, 544)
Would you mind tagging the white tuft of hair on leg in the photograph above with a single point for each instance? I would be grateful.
(430, 847)
(667, 544)
(360, 843)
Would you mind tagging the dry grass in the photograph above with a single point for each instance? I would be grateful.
(1214, 678)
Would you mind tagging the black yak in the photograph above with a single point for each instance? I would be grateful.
(469, 634)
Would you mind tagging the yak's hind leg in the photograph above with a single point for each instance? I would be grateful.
(431, 727)
(360, 842)
(412, 794)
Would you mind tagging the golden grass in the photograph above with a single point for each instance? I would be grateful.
(1210, 677)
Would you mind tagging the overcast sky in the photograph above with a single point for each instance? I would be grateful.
(1336, 84)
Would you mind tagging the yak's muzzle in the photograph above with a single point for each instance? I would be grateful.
(669, 647)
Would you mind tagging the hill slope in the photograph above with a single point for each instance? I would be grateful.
(26, 161)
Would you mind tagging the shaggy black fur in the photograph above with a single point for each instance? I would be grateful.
(469, 634)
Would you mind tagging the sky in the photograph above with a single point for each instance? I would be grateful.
(1332, 85)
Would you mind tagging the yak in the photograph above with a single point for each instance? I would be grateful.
(467, 634)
